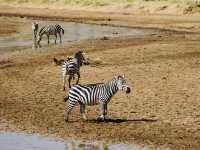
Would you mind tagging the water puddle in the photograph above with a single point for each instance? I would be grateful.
(13, 141)
(73, 32)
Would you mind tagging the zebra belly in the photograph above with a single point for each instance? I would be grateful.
(94, 103)
(89, 102)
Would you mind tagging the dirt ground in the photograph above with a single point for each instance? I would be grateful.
(162, 71)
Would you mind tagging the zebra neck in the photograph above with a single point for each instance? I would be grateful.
(77, 61)
(112, 87)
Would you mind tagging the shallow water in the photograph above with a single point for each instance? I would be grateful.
(73, 32)
(13, 141)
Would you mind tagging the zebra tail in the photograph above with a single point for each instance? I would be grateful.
(55, 60)
(66, 98)
(63, 31)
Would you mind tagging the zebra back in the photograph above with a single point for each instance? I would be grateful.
(91, 94)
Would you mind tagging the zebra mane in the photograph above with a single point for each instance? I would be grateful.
(111, 81)
(79, 57)
(41, 30)
(95, 84)
(107, 83)
(101, 83)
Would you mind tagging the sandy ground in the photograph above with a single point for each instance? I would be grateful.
(163, 72)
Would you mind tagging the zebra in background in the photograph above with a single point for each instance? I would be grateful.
(93, 94)
(72, 66)
(50, 30)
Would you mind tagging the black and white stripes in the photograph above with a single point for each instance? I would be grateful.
(94, 94)
(50, 30)
(71, 67)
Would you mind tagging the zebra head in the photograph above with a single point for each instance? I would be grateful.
(80, 56)
(121, 84)
(35, 28)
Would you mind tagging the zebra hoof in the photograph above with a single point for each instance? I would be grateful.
(99, 119)
(84, 119)
(103, 119)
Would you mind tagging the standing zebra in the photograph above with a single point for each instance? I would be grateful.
(50, 30)
(93, 94)
(72, 66)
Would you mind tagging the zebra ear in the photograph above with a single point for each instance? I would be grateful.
(80, 51)
(54, 59)
(118, 76)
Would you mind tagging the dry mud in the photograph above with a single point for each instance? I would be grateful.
(163, 108)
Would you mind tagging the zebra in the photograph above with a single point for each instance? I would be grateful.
(50, 30)
(35, 28)
(93, 94)
(72, 66)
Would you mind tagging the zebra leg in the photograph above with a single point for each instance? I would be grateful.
(60, 38)
(73, 77)
(48, 38)
(69, 80)
(68, 110)
(103, 112)
(55, 38)
(64, 81)
(78, 77)
(34, 35)
(82, 111)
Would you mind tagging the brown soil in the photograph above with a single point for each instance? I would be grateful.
(163, 72)
(7, 29)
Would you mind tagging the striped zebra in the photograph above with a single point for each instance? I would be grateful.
(93, 94)
(72, 66)
(35, 28)
(50, 30)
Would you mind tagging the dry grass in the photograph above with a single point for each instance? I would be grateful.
(139, 6)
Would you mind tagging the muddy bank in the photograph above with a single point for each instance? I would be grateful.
(163, 71)
(175, 22)
(161, 110)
